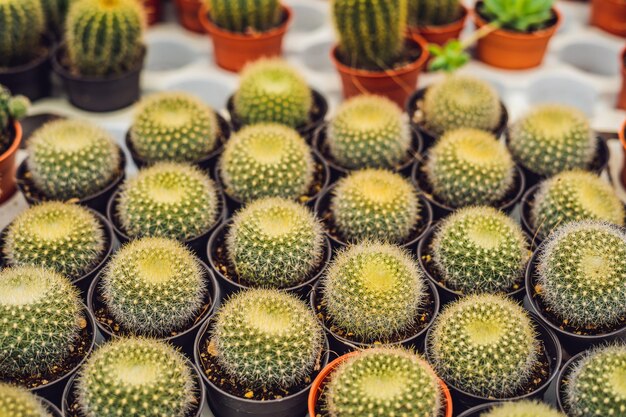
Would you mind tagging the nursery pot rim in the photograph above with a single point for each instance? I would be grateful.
(445, 28)
(560, 402)
(213, 29)
(472, 412)
(49, 406)
(17, 140)
(510, 34)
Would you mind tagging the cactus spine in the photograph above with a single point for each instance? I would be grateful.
(22, 25)
(12, 108)
(19, 402)
(525, 408)
(433, 12)
(245, 17)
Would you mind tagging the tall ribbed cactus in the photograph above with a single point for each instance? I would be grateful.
(433, 12)
(21, 25)
(244, 16)
(11, 108)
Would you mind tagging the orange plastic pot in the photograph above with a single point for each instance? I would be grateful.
(187, 11)
(234, 50)
(609, 15)
(153, 10)
(622, 139)
(621, 97)
(8, 167)
(440, 35)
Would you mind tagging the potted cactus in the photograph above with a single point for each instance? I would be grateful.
(437, 21)
(525, 408)
(12, 108)
(18, 402)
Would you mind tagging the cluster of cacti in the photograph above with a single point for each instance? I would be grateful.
(480, 249)
(104, 37)
(461, 101)
(485, 345)
(174, 127)
(271, 91)
(245, 17)
(11, 108)
(23, 24)
(275, 243)
(19, 402)
(72, 159)
(55, 12)
(433, 12)
(64, 237)
(384, 382)
(267, 338)
(597, 384)
(371, 32)
(375, 204)
(525, 408)
(40, 320)
(469, 166)
(169, 200)
(369, 131)
(154, 286)
(582, 274)
(136, 376)
(373, 291)
(266, 160)
(551, 139)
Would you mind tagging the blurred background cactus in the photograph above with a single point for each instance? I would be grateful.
(433, 12)
(19, 402)
(245, 17)
(524, 408)
(55, 12)
(22, 25)
(12, 108)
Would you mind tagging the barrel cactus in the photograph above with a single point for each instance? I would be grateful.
(433, 12)
(369, 131)
(246, 17)
(23, 24)
(12, 108)
(19, 402)
(524, 408)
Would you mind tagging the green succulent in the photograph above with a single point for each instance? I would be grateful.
(55, 12)
(433, 12)
(22, 25)
(12, 108)
(19, 402)
(245, 17)
(518, 15)
(526, 408)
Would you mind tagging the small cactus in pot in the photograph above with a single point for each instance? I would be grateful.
(19, 402)
(525, 408)
(12, 108)
(247, 17)
(23, 25)
(433, 12)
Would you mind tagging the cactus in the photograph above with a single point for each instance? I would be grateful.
(22, 25)
(480, 249)
(275, 243)
(245, 17)
(597, 384)
(154, 286)
(485, 345)
(373, 291)
(384, 382)
(266, 160)
(169, 200)
(469, 166)
(526, 408)
(63, 237)
(104, 37)
(551, 139)
(433, 12)
(271, 91)
(369, 131)
(55, 12)
(40, 320)
(72, 159)
(461, 102)
(19, 402)
(267, 338)
(174, 127)
(12, 108)
(573, 196)
(136, 377)
(582, 274)
(371, 32)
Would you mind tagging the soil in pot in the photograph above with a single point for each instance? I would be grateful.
(8, 184)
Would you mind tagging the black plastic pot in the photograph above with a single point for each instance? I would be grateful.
(51, 408)
(31, 123)
(560, 382)
(478, 410)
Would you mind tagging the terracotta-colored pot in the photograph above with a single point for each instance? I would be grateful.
(621, 97)
(609, 15)
(188, 14)
(394, 84)
(153, 10)
(440, 35)
(234, 50)
(622, 139)
(7, 166)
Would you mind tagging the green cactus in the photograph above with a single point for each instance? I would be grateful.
(373, 291)
(40, 320)
(597, 383)
(582, 274)
(136, 377)
(55, 12)
(371, 32)
(271, 91)
(267, 338)
(170, 200)
(461, 102)
(433, 12)
(369, 131)
(104, 37)
(266, 160)
(72, 159)
(174, 127)
(552, 138)
(63, 237)
(245, 17)
(154, 286)
(573, 196)
(19, 402)
(485, 345)
(384, 382)
(480, 249)
(470, 166)
(12, 108)
(524, 408)
(275, 243)
(22, 24)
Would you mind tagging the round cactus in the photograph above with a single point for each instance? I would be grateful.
(169, 200)
(469, 166)
(485, 345)
(433, 12)
(135, 376)
(246, 17)
(12, 108)
(369, 131)
(375, 204)
(19, 402)
(72, 159)
(267, 160)
(40, 320)
(271, 91)
(154, 286)
(373, 291)
(573, 196)
(525, 408)
(551, 139)
(23, 24)
(275, 243)
(480, 249)
(582, 274)
(461, 102)
(64, 237)
(383, 382)
(267, 338)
